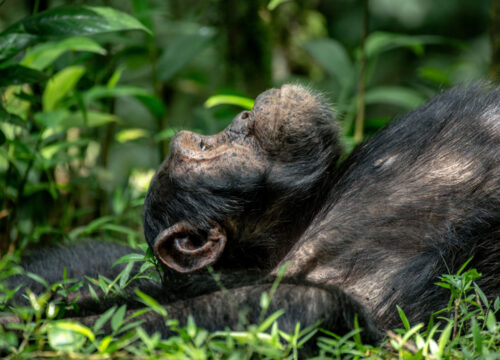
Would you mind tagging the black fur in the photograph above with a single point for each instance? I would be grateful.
(413, 202)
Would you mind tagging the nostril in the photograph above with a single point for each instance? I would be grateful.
(245, 115)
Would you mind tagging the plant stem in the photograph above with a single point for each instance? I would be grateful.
(36, 6)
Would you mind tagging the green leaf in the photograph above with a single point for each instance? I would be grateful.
(94, 119)
(10, 118)
(477, 337)
(2, 137)
(434, 74)
(241, 101)
(378, 42)
(152, 303)
(144, 12)
(49, 151)
(273, 4)
(129, 258)
(131, 134)
(270, 320)
(180, 52)
(99, 92)
(444, 338)
(117, 319)
(39, 279)
(11, 44)
(125, 274)
(394, 95)
(45, 54)
(68, 336)
(403, 317)
(60, 85)
(333, 58)
(76, 20)
(62, 119)
(151, 102)
(491, 322)
(17, 75)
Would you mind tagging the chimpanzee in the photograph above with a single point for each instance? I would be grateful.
(415, 201)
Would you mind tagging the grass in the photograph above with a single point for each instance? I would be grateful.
(467, 329)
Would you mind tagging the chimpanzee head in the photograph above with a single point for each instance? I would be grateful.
(251, 186)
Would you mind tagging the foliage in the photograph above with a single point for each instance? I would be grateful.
(92, 91)
(466, 329)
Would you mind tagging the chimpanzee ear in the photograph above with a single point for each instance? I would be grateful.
(180, 247)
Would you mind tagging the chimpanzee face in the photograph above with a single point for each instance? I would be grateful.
(208, 182)
(250, 146)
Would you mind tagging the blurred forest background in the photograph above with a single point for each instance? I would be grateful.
(90, 96)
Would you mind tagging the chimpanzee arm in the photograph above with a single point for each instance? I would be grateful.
(79, 260)
(305, 304)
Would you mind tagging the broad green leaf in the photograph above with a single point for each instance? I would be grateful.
(477, 337)
(491, 322)
(166, 134)
(11, 44)
(62, 119)
(151, 302)
(105, 343)
(151, 102)
(131, 134)
(144, 11)
(60, 85)
(10, 118)
(49, 151)
(76, 20)
(180, 52)
(45, 54)
(333, 58)
(241, 101)
(444, 338)
(118, 317)
(394, 95)
(403, 317)
(68, 336)
(118, 20)
(52, 119)
(99, 92)
(270, 320)
(125, 274)
(379, 42)
(434, 74)
(17, 75)
(129, 258)
(273, 4)
(94, 119)
(117, 74)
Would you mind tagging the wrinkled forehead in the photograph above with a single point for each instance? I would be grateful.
(287, 110)
(287, 95)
